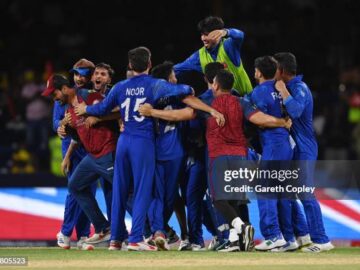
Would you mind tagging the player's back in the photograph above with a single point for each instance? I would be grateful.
(269, 101)
(302, 129)
(229, 139)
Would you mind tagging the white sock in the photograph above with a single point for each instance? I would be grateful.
(233, 235)
(236, 223)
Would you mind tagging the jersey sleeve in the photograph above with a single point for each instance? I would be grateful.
(232, 45)
(58, 115)
(258, 99)
(167, 93)
(248, 107)
(192, 63)
(106, 105)
(295, 104)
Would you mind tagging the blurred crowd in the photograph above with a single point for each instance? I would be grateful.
(41, 40)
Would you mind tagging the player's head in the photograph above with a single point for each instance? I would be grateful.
(58, 88)
(223, 82)
(208, 25)
(102, 76)
(139, 59)
(164, 71)
(211, 70)
(287, 65)
(82, 71)
(265, 68)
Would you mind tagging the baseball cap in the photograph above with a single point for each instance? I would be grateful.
(55, 82)
(82, 71)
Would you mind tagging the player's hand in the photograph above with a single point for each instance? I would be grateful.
(61, 132)
(65, 165)
(280, 86)
(220, 119)
(80, 109)
(145, 109)
(91, 121)
(216, 35)
(121, 125)
(288, 123)
(66, 120)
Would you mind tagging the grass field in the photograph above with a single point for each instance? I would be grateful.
(50, 258)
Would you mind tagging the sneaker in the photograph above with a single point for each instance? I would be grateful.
(141, 246)
(63, 241)
(213, 244)
(271, 243)
(196, 247)
(172, 236)
(160, 241)
(289, 246)
(316, 248)
(82, 245)
(99, 237)
(149, 240)
(247, 237)
(304, 241)
(230, 247)
(115, 245)
(184, 245)
(222, 244)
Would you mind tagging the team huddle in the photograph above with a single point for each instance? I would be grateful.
(152, 145)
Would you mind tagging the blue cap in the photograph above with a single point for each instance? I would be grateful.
(82, 71)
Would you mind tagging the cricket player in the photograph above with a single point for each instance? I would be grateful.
(298, 102)
(220, 45)
(135, 154)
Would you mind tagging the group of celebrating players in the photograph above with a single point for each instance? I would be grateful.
(148, 137)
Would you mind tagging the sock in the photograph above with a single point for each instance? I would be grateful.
(236, 223)
(233, 236)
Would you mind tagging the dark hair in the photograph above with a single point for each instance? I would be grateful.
(209, 24)
(225, 79)
(59, 81)
(139, 58)
(107, 67)
(267, 65)
(286, 62)
(212, 69)
(163, 71)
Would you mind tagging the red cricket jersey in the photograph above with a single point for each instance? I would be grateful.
(98, 140)
(230, 139)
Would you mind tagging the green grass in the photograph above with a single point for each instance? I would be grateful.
(50, 258)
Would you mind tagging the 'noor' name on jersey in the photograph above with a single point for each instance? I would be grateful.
(138, 91)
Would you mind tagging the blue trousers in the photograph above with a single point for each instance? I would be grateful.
(311, 205)
(165, 192)
(80, 185)
(268, 207)
(134, 163)
(74, 217)
(195, 187)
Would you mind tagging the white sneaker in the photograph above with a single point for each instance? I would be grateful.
(141, 246)
(289, 246)
(316, 248)
(63, 241)
(196, 247)
(213, 243)
(82, 245)
(304, 241)
(184, 245)
(271, 243)
(99, 237)
(115, 245)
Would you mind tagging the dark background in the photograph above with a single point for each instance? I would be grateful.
(41, 37)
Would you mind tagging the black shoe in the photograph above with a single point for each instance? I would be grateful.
(230, 247)
(172, 236)
(247, 237)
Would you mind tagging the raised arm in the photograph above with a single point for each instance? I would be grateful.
(190, 64)
(294, 105)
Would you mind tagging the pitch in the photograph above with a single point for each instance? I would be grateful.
(55, 258)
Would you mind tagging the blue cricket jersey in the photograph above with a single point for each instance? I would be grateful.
(300, 108)
(269, 101)
(131, 93)
(232, 46)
